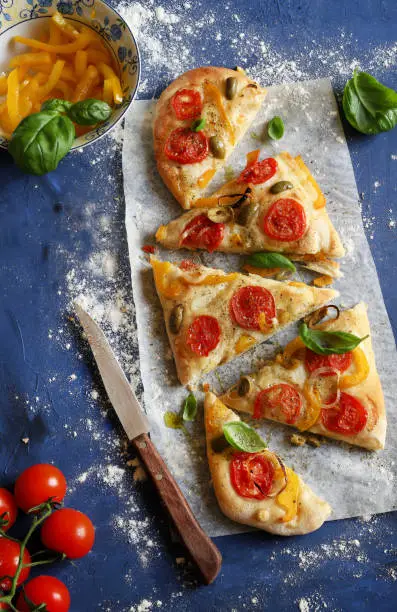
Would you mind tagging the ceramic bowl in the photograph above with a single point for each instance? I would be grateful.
(30, 17)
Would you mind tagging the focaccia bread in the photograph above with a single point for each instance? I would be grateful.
(227, 100)
(211, 317)
(293, 220)
(256, 488)
(339, 396)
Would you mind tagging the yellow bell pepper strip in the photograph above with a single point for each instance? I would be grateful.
(55, 34)
(95, 56)
(252, 157)
(85, 84)
(66, 27)
(292, 347)
(323, 281)
(320, 201)
(212, 94)
(213, 279)
(53, 79)
(265, 272)
(5, 121)
(68, 74)
(312, 409)
(168, 288)
(288, 499)
(108, 73)
(13, 98)
(80, 43)
(30, 59)
(244, 343)
(25, 106)
(361, 372)
(263, 324)
(65, 89)
(205, 178)
(80, 63)
(107, 94)
(3, 85)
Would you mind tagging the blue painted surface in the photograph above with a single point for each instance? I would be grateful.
(44, 232)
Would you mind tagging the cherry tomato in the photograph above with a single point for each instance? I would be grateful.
(334, 362)
(202, 233)
(187, 104)
(203, 335)
(38, 484)
(9, 559)
(259, 172)
(348, 419)
(69, 532)
(4, 606)
(8, 509)
(186, 147)
(281, 402)
(251, 475)
(285, 220)
(248, 303)
(45, 590)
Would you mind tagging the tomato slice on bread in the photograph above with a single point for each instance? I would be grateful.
(314, 362)
(203, 335)
(281, 402)
(251, 474)
(285, 220)
(187, 104)
(248, 303)
(185, 146)
(202, 233)
(348, 419)
(258, 172)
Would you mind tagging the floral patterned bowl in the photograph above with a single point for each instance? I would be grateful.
(29, 17)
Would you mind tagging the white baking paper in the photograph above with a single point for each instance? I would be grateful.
(355, 482)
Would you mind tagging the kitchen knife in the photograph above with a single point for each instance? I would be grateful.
(202, 550)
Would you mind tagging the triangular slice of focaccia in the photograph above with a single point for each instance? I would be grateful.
(226, 101)
(285, 213)
(257, 489)
(211, 317)
(339, 396)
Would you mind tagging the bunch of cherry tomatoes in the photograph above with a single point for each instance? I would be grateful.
(39, 491)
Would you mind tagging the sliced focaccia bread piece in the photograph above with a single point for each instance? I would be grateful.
(286, 213)
(336, 395)
(256, 488)
(199, 120)
(211, 317)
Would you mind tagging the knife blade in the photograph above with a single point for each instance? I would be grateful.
(202, 550)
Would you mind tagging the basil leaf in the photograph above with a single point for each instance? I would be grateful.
(243, 437)
(328, 343)
(275, 128)
(89, 112)
(270, 260)
(40, 142)
(56, 104)
(198, 125)
(369, 106)
(189, 408)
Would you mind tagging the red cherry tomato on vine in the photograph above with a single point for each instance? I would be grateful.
(9, 558)
(45, 590)
(68, 532)
(8, 509)
(38, 484)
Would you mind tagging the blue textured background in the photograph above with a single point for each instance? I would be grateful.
(43, 229)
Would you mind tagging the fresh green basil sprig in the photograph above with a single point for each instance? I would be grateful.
(189, 412)
(42, 139)
(275, 128)
(243, 437)
(369, 106)
(270, 260)
(328, 343)
(198, 124)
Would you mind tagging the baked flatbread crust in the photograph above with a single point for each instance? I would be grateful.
(187, 181)
(208, 291)
(265, 514)
(369, 392)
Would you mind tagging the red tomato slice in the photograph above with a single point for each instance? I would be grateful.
(202, 233)
(334, 362)
(281, 402)
(285, 220)
(259, 172)
(247, 304)
(149, 248)
(186, 147)
(187, 264)
(203, 335)
(251, 475)
(187, 104)
(349, 419)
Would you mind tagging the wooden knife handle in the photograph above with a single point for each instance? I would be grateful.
(202, 550)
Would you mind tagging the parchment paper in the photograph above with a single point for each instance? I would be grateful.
(355, 482)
